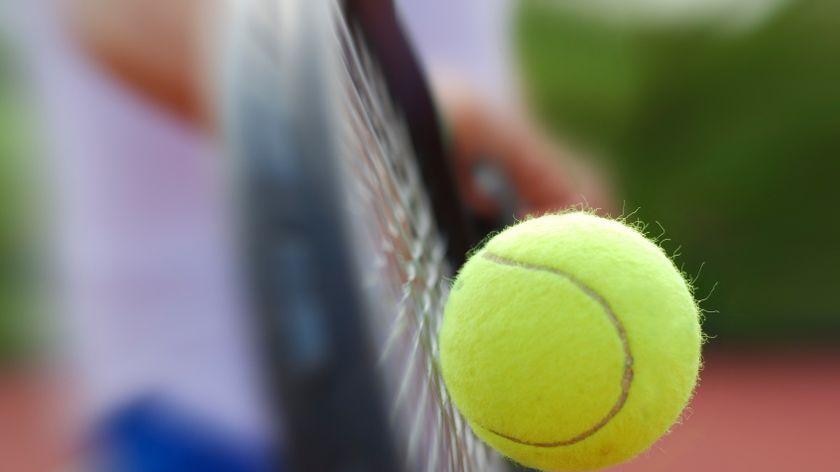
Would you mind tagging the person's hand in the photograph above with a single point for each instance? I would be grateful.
(543, 177)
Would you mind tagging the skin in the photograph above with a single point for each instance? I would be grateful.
(156, 47)
(546, 177)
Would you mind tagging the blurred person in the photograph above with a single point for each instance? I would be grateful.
(717, 116)
(146, 260)
(156, 358)
(167, 54)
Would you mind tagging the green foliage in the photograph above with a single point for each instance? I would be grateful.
(729, 140)
(17, 295)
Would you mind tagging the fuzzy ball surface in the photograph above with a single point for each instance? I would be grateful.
(570, 342)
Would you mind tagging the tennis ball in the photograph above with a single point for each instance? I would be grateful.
(570, 342)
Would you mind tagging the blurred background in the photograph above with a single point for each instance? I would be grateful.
(714, 121)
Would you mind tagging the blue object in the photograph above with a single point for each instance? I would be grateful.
(151, 436)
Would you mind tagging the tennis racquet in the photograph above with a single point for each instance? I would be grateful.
(352, 228)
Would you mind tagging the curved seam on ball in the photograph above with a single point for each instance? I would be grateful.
(627, 378)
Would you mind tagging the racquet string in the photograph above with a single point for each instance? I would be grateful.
(405, 272)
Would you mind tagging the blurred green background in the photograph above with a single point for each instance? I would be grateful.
(729, 137)
(17, 214)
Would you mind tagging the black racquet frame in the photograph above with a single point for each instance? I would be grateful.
(309, 308)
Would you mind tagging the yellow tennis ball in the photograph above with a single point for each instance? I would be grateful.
(570, 342)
